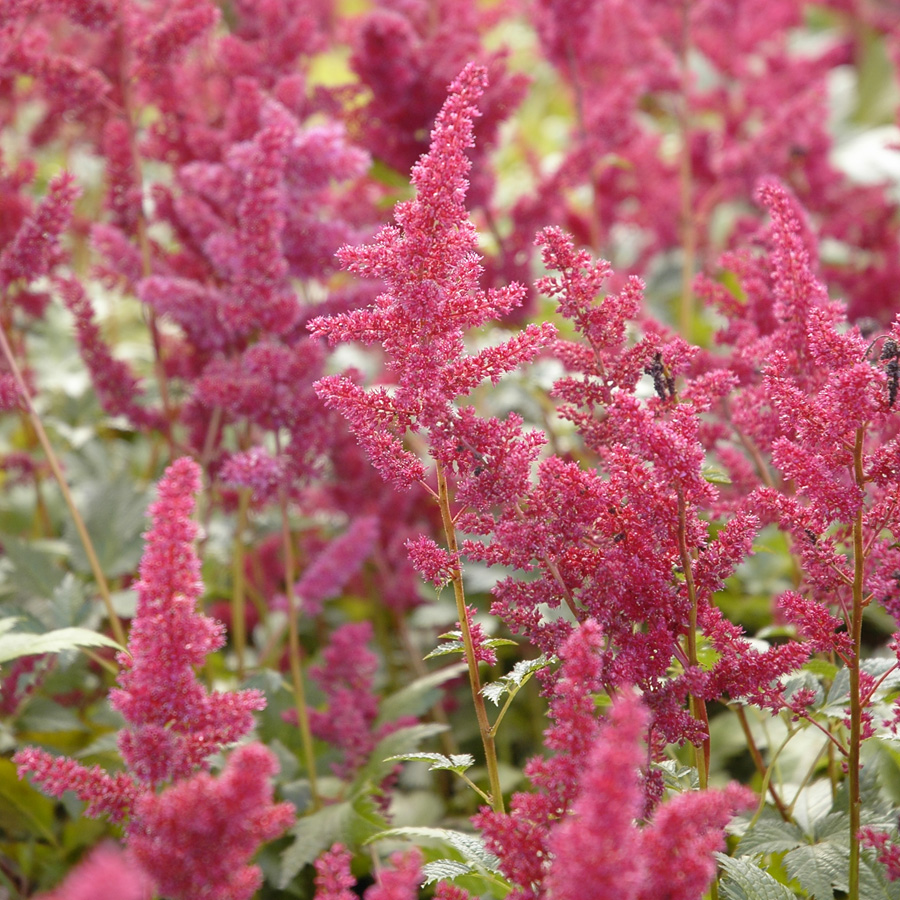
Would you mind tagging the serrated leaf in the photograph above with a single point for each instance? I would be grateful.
(69, 606)
(35, 571)
(873, 885)
(817, 867)
(446, 649)
(470, 846)
(514, 680)
(351, 823)
(418, 696)
(113, 513)
(771, 836)
(456, 762)
(444, 870)
(14, 644)
(403, 740)
(747, 881)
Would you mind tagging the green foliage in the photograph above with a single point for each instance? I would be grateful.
(746, 881)
(16, 644)
(351, 823)
(511, 683)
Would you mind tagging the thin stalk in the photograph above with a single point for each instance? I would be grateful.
(856, 711)
(55, 467)
(697, 704)
(295, 655)
(783, 811)
(484, 725)
(238, 599)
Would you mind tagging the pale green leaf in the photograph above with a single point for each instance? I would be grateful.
(747, 881)
(770, 836)
(447, 649)
(404, 740)
(456, 762)
(470, 846)
(350, 823)
(35, 569)
(14, 644)
(113, 513)
(444, 870)
(817, 867)
(514, 680)
(418, 696)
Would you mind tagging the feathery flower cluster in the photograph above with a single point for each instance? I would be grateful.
(580, 827)
(400, 882)
(173, 726)
(346, 676)
(197, 837)
(106, 874)
(174, 723)
(429, 266)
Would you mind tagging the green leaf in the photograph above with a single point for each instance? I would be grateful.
(418, 696)
(45, 715)
(514, 680)
(817, 867)
(821, 668)
(470, 846)
(747, 881)
(15, 644)
(444, 870)
(403, 740)
(35, 572)
(447, 649)
(22, 809)
(456, 762)
(113, 513)
(873, 885)
(350, 823)
(770, 836)
(715, 475)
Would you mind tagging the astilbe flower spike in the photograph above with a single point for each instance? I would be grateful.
(106, 874)
(198, 836)
(600, 845)
(173, 725)
(333, 876)
(429, 266)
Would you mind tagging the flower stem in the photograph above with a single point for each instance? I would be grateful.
(484, 725)
(697, 704)
(855, 628)
(238, 599)
(295, 655)
(55, 467)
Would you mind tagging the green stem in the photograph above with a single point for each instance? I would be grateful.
(484, 725)
(856, 711)
(760, 764)
(295, 655)
(55, 467)
(697, 704)
(238, 600)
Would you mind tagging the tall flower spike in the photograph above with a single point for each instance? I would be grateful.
(430, 269)
(175, 724)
